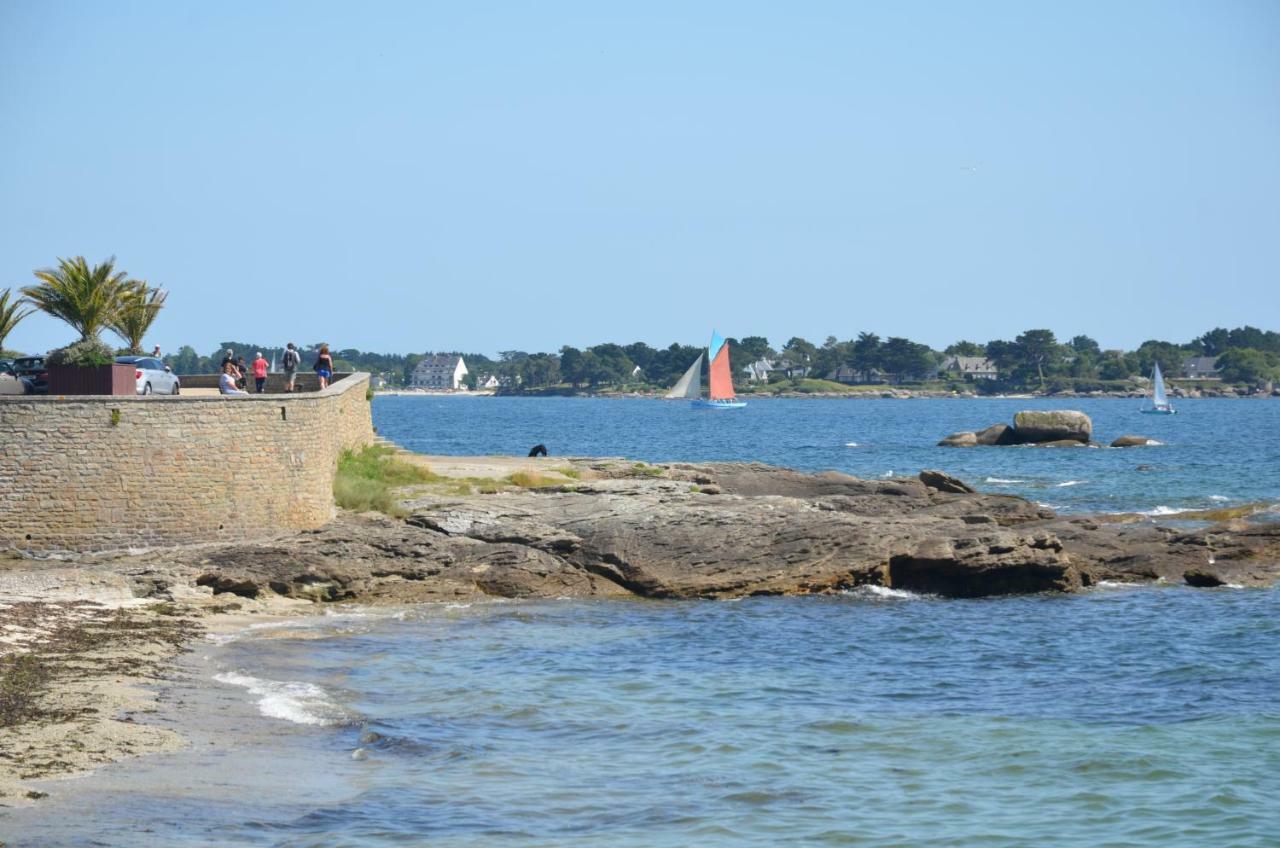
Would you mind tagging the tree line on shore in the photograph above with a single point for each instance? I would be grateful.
(95, 298)
(1034, 359)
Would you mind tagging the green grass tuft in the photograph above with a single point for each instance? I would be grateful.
(365, 479)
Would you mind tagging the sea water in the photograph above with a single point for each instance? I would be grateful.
(1136, 716)
(1215, 452)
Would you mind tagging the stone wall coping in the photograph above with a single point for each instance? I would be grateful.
(346, 383)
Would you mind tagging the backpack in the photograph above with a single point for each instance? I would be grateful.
(290, 361)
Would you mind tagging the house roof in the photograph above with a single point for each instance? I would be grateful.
(968, 364)
(443, 360)
(1200, 363)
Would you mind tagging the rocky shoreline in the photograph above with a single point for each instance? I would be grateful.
(572, 528)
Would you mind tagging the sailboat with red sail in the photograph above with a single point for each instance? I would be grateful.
(721, 394)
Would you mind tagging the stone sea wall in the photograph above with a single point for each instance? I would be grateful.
(95, 473)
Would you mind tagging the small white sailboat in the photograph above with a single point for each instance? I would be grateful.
(720, 394)
(1160, 404)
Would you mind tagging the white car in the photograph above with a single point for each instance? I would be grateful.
(154, 377)
(11, 384)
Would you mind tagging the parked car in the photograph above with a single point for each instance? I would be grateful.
(153, 376)
(35, 371)
(10, 382)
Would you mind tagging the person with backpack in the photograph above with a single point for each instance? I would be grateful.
(290, 365)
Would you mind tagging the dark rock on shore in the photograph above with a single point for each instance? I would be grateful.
(959, 440)
(769, 531)
(944, 482)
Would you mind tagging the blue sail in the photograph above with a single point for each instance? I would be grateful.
(717, 342)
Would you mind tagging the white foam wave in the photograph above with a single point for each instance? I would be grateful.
(1161, 510)
(1219, 498)
(887, 474)
(885, 593)
(851, 444)
(1003, 481)
(1071, 483)
(301, 703)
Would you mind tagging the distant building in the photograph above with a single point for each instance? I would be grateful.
(489, 382)
(1201, 368)
(438, 372)
(851, 376)
(970, 367)
(760, 370)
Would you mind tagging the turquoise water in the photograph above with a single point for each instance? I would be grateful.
(1215, 452)
(1136, 717)
(1125, 716)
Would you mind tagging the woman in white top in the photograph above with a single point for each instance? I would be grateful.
(227, 382)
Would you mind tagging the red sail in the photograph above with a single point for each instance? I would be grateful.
(721, 377)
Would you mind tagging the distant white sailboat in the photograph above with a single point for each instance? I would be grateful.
(1160, 404)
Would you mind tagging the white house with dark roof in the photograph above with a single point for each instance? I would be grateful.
(971, 367)
(1201, 368)
(444, 371)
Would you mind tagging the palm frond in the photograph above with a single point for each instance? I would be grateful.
(12, 311)
(141, 306)
(88, 299)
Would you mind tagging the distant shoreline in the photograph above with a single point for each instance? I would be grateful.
(878, 394)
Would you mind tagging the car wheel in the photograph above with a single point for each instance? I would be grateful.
(146, 390)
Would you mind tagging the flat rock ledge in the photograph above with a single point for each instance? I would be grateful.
(707, 531)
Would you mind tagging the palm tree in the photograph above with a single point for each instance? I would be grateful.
(141, 306)
(88, 299)
(10, 314)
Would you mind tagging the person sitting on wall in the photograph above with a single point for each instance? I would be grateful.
(227, 382)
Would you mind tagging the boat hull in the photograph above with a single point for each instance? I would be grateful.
(702, 403)
(1158, 411)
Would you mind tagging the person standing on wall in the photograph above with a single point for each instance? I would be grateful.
(228, 358)
(290, 365)
(324, 367)
(259, 372)
(242, 368)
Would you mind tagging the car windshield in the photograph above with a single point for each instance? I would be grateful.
(29, 362)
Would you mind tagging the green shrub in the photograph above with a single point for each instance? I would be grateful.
(86, 353)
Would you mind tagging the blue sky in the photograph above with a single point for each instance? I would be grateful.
(490, 176)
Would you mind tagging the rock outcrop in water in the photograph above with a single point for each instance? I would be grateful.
(1046, 428)
(712, 531)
